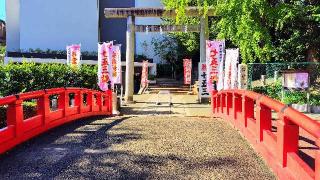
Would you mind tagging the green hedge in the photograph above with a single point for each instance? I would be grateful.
(25, 77)
(290, 97)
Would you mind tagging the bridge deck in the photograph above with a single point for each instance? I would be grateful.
(137, 147)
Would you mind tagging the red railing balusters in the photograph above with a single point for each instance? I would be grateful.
(90, 101)
(287, 138)
(248, 109)
(280, 148)
(223, 103)
(229, 105)
(317, 161)
(15, 117)
(43, 107)
(237, 101)
(263, 120)
(20, 129)
(63, 102)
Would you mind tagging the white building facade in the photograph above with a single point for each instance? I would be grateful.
(144, 41)
(39, 24)
(54, 24)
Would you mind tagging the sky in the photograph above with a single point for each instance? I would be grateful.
(2, 10)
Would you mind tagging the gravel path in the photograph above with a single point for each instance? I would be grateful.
(136, 147)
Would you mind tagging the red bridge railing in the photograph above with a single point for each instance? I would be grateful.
(54, 107)
(288, 140)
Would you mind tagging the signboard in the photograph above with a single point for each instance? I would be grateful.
(203, 90)
(214, 61)
(231, 69)
(243, 76)
(187, 66)
(296, 80)
(104, 65)
(74, 55)
(116, 65)
(144, 74)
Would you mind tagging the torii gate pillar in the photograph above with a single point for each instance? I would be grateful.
(204, 36)
(130, 50)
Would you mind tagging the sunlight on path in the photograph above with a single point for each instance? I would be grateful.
(140, 147)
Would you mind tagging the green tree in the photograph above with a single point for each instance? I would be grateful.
(264, 30)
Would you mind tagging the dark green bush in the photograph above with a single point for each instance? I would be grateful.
(25, 77)
(164, 70)
(315, 99)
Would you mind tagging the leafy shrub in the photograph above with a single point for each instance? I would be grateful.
(25, 77)
(295, 97)
(290, 97)
(272, 90)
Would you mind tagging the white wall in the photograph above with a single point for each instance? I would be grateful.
(13, 24)
(143, 37)
(53, 24)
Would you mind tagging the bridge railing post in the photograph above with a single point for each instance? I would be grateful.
(43, 107)
(229, 104)
(90, 100)
(79, 100)
(214, 101)
(63, 102)
(223, 103)
(237, 101)
(263, 120)
(15, 116)
(99, 101)
(247, 109)
(317, 161)
(110, 101)
(218, 105)
(287, 138)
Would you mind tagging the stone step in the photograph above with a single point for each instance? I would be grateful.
(171, 92)
(169, 89)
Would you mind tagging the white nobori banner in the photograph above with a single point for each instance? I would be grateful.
(74, 55)
(116, 65)
(203, 90)
(215, 62)
(109, 65)
(104, 65)
(231, 69)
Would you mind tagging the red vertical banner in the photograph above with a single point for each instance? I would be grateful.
(144, 74)
(187, 66)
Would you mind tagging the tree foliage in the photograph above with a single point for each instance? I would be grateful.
(264, 30)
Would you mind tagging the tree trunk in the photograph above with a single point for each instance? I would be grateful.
(312, 55)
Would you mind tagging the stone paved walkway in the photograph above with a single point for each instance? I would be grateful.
(154, 144)
(183, 106)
